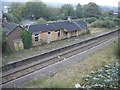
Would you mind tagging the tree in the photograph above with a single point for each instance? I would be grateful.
(35, 10)
(91, 9)
(27, 39)
(52, 13)
(79, 11)
(67, 10)
(5, 46)
(105, 13)
(17, 9)
(10, 17)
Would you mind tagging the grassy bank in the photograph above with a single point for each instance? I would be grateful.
(75, 74)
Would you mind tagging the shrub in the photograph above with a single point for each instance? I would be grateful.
(88, 31)
(103, 24)
(41, 21)
(116, 21)
(117, 49)
(90, 20)
(106, 78)
(97, 24)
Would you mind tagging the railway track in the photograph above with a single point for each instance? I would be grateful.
(37, 64)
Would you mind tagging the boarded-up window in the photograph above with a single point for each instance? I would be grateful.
(18, 44)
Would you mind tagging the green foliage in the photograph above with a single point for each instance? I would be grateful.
(90, 20)
(35, 10)
(91, 9)
(88, 31)
(79, 11)
(41, 21)
(117, 49)
(67, 10)
(10, 17)
(97, 24)
(105, 13)
(52, 13)
(116, 21)
(17, 9)
(107, 77)
(27, 39)
(5, 46)
(103, 24)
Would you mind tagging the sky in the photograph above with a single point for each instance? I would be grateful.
(82, 2)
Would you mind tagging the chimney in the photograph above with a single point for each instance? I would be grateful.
(69, 19)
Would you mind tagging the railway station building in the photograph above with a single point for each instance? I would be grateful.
(46, 33)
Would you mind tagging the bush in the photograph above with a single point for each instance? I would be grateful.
(88, 31)
(27, 39)
(97, 24)
(117, 50)
(106, 78)
(90, 20)
(41, 21)
(116, 21)
(103, 24)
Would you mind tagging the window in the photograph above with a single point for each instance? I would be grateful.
(36, 39)
(66, 33)
(58, 34)
(75, 31)
(49, 32)
(36, 34)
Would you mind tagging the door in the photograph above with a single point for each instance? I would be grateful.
(49, 37)
(18, 44)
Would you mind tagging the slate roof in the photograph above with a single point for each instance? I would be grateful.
(69, 26)
(9, 27)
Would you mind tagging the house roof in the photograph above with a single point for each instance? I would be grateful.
(9, 27)
(69, 26)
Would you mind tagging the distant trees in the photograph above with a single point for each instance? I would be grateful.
(52, 13)
(10, 17)
(37, 9)
(79, 11)
(91, 9)
(17, 10)
(67, 10)
(34, 10)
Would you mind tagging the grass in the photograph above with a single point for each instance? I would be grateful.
(75, 74)
(46, 47)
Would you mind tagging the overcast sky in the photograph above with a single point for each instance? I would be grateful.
(99, 2)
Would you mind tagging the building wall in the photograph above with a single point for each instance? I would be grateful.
(53, 36)
(14, 35)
